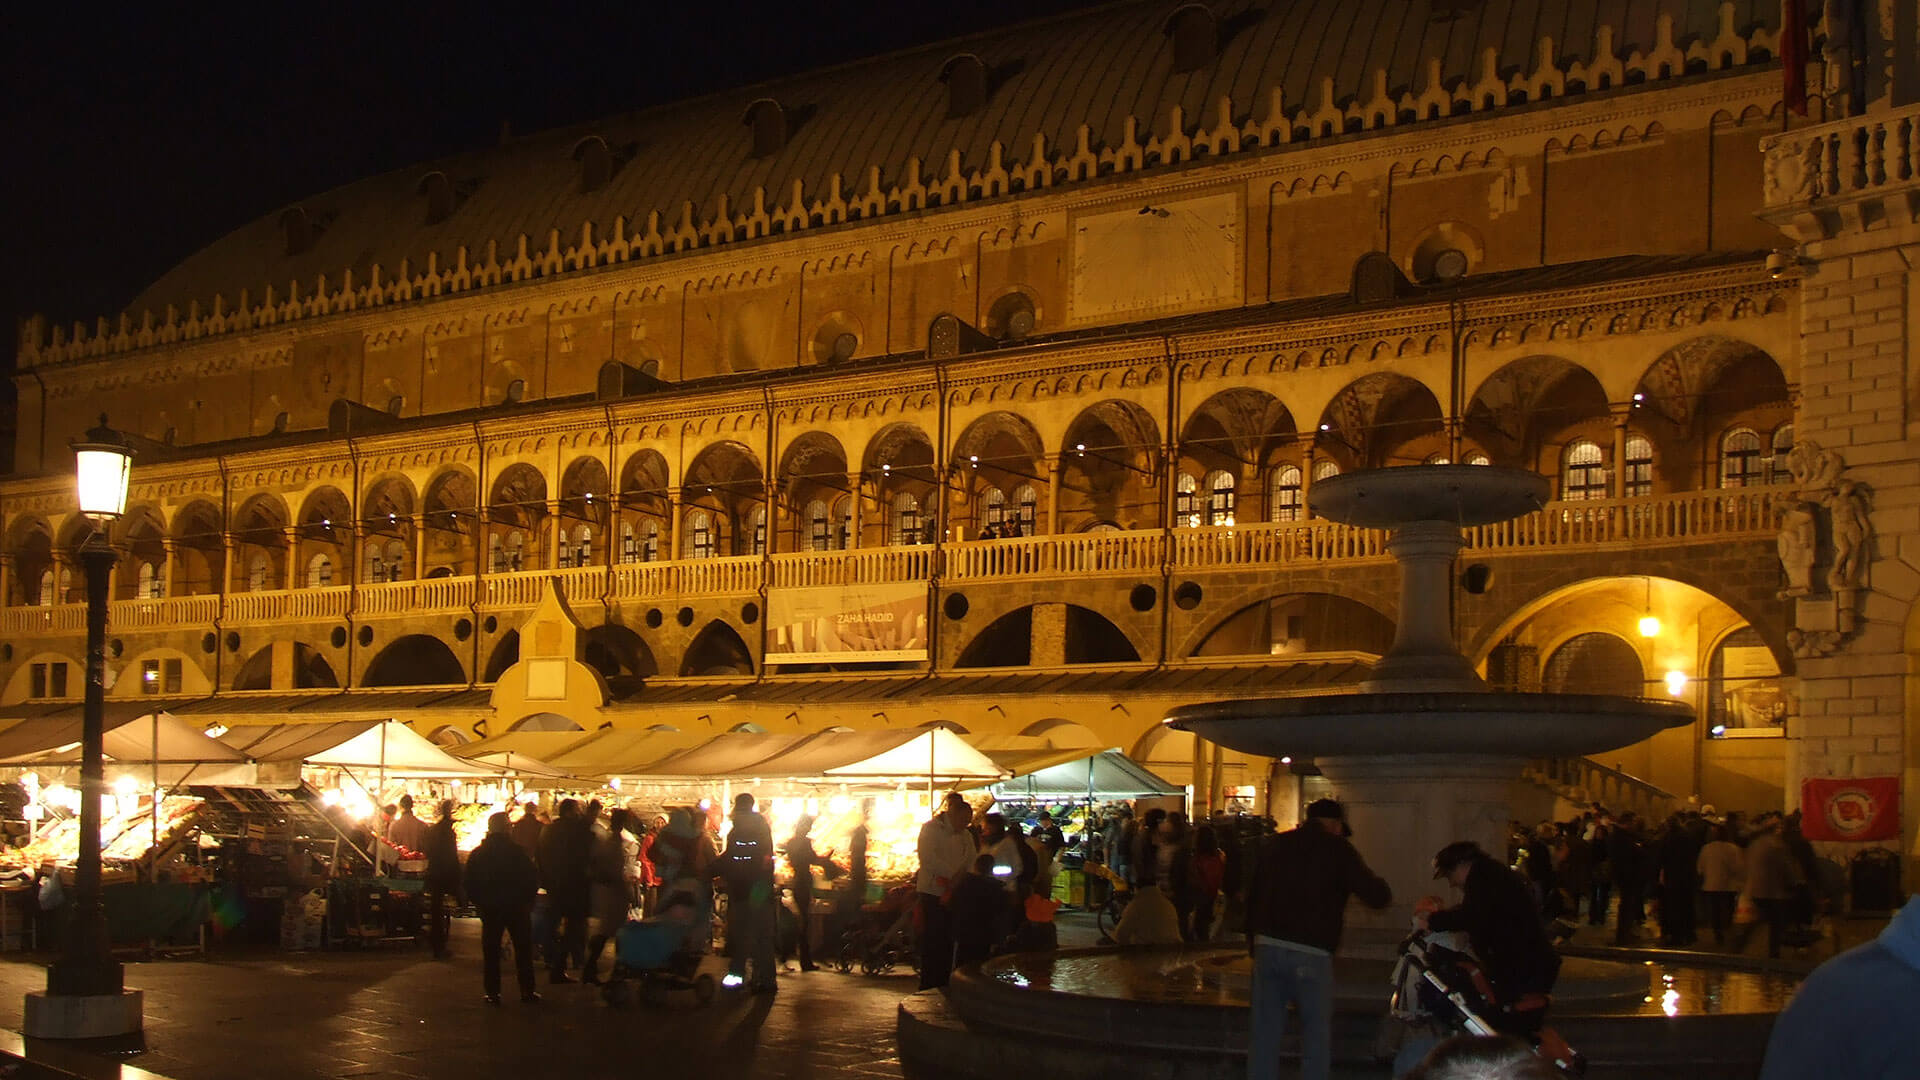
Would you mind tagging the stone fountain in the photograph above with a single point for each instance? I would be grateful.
(1424, 753)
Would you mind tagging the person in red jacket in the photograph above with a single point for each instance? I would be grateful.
(1206, 869)
(1296, 909)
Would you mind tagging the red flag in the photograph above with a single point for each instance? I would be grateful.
(1867, 808)
(1793, 53)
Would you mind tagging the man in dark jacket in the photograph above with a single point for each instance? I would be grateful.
(564, 871)
(1627, 854)
(1296, 908)
(442, 849)
(502, 883)
(1497, 911)
(752, 913)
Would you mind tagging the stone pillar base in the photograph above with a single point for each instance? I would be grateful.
(71, 1016)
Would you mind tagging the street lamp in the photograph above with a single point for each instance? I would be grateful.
(86, 996)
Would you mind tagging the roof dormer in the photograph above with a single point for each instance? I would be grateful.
(438, 193)
(966, 79)
(1195, 35)
(768, 122)
(596, 163)
(296, 231)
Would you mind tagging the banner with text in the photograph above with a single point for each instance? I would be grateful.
(839, 624)
(1861, 808)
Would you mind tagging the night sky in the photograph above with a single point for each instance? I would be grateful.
(137, 134)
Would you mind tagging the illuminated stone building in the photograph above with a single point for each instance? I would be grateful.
(1113, 289)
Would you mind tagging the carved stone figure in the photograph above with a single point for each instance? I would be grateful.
(1796, 548)
(1851, 528)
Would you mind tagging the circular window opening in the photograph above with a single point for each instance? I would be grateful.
(1011, 317)
(956, 606)
(1186, 597)
(116, 647)
(1143, 597)
(750, 613)
(339, 638)
(516, 391)
(490, 625)
(1476, 578)
(655, 618)
(208, 642)
(684, 616)
(365, 636)
(233, 641)
(463, 629)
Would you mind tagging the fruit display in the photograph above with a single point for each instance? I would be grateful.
(124, 837)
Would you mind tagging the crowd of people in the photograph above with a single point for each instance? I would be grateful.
(1694, 874)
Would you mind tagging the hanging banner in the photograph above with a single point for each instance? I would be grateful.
(838, 624)
(1867, 808)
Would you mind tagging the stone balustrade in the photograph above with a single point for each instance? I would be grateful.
(1822, 178)
(1696, 517)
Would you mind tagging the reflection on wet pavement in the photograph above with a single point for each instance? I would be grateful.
(1221, 978)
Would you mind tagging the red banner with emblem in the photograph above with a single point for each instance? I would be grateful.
(1857, 809)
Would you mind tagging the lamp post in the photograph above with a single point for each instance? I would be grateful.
(85, 994)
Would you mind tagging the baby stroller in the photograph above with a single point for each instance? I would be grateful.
(1448, 987)
(883, 935)
(662, 956)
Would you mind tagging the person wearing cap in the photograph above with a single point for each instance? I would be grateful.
(1500, 918)
(1296, 909)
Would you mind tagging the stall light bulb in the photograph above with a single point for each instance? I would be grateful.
(125, 785)
(1286, 761)
(1676, 683)
(30, 781)
(1649, 626)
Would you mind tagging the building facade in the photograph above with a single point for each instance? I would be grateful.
(1044, 358)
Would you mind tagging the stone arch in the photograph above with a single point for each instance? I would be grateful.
(1063, 733)
(717, 649)
(389, 498)
(1522, 409)
(505, 654)
(415, 660)
(1382, 418)
(1293, 622)
(1007, 640)
(310, 670)
(620, 655)
(1372, 587)
(518, 496)
(1594, 662)
(1680, 383)
(1109, 467)
(200, 561)
(545, 721)
(725, 482)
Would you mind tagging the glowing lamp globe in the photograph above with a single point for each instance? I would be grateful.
(103, 463)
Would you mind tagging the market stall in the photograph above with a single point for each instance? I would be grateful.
(1078, 793)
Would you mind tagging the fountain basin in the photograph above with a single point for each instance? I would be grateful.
(1447, 722)
(1462, 495)
(1122, 1014)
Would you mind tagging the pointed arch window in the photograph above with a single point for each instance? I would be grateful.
(46, 588)
(496, 555)
(153, 583)
(319, 572)
(907, 526)
(583, 545)
(1477, 458)
(700, 535)
(1583, 472)
(759, 531)
(1186, 508)
(843, 537)
(1740, 464)
(1283, 501)
(1325, 468)
(1026, 506)
(516, 548)
(1437, 459)
(1638, 480)
(1777, 471)
(257, 573)
(629, 543)
(1220, 497)
(650, 551)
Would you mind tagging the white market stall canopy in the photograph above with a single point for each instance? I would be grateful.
(1102, 775)
(369, 746)
(937, 754)
(154, 745)
(618, 752)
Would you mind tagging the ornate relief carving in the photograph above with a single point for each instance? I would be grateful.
(1824, 617)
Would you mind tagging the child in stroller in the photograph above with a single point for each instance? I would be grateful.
(662, 954)
(1441, 990)
(883, 935)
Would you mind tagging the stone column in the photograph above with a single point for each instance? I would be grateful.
(673, 524)
(296, 574)
(1841, 191)
(229, 554)
(6, 579)
(419, 547)
(169, 562)
(1056, 469)
(557, 538)
(853, 507)
(1617, 480)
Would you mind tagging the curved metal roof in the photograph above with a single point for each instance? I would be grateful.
(1096, 67)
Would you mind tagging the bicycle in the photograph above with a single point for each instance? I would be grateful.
(1119, 893)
